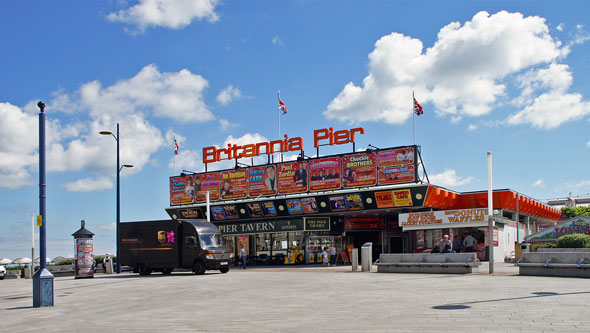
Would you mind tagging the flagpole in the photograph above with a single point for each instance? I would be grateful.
(174, 156)
(413, 118)
(279, 115)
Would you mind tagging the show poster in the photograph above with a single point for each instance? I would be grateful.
(294, 206)
(396, 157)
(384, 199)
(337, 203)
(353, 201)
(207, 182)
(402, 198)
(262, 180)
(84, 257)
(234, 184)
(181, 190)
(399, 174)
(230, 211)
(324, 174)
(244, 242)
(359, 170)
(255, 209)
(310, 205)
(292, 177)
(218, 213)
(268, 208)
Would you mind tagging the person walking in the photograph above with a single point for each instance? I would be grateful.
(243, 257)
(457, 243)
(333, 255)
(325, 257)
(469, 242)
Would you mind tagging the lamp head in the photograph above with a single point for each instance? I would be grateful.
(105, 133)
(41, 106)
(128, 165)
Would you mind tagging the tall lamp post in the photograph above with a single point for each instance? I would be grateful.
(119, 168)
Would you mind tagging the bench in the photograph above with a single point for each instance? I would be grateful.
(438, 263)
(566, 264)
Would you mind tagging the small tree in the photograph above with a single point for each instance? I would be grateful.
(570, 212)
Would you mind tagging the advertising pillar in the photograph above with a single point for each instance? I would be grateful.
(83, 249)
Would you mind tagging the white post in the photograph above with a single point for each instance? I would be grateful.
(490, 215)
(208, 203)
(517, 219)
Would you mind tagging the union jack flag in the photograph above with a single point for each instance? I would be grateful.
(417, 108)
(175, 147)
(282, 105)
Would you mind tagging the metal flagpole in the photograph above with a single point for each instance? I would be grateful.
(279, 115)
(413, 118)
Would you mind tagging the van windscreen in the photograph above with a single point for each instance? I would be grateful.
(211, 240)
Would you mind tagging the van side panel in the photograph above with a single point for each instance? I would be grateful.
(154, 244)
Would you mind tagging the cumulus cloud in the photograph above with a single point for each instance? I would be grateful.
(588, 144)
(228, 94)
(472, 127)
(538, 183)
(78, 146)
(465, 73)
(187, 160)
(89, 185)
(276, 40)
(449, 178)
(173, 14)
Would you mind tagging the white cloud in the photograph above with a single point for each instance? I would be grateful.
(578, 184)
(174, 14)
(588, 144)
(89, 185)
(226, 125)
(449, 178)
(78, 146)
(105, 226)
(552, 109)
(472, 127)
(187, 160)
(176, 95)
(539, 183)
(228, 94)
(463, 74)
(560, 27)
(276, 40)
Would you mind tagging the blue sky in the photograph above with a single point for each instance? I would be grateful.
(511, 77)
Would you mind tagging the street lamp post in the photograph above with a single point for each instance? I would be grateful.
(119, 168)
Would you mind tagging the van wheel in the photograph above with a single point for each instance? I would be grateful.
(224, 269)
(167, 271)
(144, 270)
(199, 268)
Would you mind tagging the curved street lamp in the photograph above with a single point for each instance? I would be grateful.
(119, 168)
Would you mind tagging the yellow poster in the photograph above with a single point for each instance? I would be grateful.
(402, 198)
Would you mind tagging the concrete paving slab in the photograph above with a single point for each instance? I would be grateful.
(295, 299)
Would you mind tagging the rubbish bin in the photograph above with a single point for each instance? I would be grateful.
(108, 264)
(367, 257)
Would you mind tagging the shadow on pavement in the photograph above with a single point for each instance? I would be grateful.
(461, 306)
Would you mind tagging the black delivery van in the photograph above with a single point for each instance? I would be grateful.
(163, 245)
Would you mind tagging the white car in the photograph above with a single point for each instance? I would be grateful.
(2, 272)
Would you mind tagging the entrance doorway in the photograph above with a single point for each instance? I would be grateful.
(362, 237)
(398, 244)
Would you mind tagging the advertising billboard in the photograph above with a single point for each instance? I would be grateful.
(182, 190)
(234, 184)
(262, 180)
(324, 174)
(206, 182)
(396, 166)
(359, 170)
(292, 177)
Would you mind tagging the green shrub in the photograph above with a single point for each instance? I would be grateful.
(64, 262)
(550, 245)
(573, 241)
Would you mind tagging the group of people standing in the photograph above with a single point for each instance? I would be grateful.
(458, 244)
(329, 256)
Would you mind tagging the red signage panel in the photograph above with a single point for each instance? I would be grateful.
(292, 177)
(207, 182)
(234, 184)
(359, 170)
(324, 174)
(262, 180)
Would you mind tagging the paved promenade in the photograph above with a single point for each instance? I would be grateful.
(303, 299)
